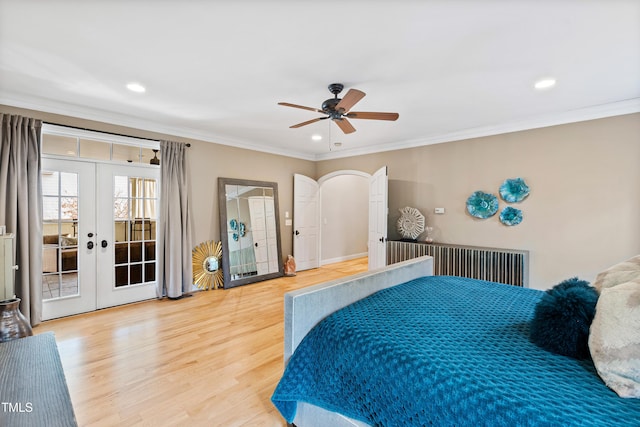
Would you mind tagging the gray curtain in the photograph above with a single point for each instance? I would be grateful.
(21, 206)
(175, 276)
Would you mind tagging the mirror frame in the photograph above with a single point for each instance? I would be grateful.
(224, 235)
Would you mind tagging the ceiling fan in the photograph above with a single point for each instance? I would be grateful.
(337, 109)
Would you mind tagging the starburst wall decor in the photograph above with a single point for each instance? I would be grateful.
(411, 223)
(207, 265)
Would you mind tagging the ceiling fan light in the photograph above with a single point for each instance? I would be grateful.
(155, 160)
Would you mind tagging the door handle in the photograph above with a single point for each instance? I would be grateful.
(297, 232)
(90, 235)
(256, 244)
(89, 245)
(104, 244)
(382, 239)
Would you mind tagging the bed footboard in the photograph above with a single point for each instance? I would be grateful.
(304, 308)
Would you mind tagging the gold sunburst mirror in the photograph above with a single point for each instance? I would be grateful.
(207, 265)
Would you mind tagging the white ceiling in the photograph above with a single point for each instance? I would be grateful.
(215, 70)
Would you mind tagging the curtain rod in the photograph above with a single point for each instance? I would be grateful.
(101, 131)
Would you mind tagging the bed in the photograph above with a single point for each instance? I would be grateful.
(399, 346)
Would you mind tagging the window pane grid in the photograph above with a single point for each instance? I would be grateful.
(135, 204)
(60, 238)
(86, 148)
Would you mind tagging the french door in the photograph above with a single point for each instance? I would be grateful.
(99, 235)
(127, 220)
(69, 227)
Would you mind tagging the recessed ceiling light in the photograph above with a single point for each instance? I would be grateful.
(337, 144)
(136, 87)
(316, 137)
(545, 83)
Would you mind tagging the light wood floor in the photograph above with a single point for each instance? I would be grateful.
(213, 359)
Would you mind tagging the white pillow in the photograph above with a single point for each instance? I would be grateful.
(623, 272)
(614, 338)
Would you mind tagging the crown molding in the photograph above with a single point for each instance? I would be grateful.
(96, 115)
(621, 108)
(563, 117)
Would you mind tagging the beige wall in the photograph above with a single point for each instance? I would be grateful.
(210, 161)
(207, 162)
(582, 214)
(583, 211)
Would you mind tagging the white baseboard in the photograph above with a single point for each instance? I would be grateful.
(343, 258)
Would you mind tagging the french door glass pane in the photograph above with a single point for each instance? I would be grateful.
(51, 211)
(135, 202)
(60, 235)
(68, 184)
(69, 207)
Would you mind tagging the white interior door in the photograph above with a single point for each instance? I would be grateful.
(126, 239)
(68, 247)
(378, 211)
(306, 222)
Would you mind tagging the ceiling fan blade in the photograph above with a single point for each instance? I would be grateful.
(345, 125)
(308, 122)
(286, 104)
(372, 115)
(349, 100)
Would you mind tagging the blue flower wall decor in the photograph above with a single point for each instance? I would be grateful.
(514, 190)
(482, 205)
(511, 216)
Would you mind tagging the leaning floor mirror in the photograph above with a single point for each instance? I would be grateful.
(249, 231)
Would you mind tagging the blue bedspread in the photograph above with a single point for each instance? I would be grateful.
(445, 351)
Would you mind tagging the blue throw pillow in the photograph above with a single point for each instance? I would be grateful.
(562, 318)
